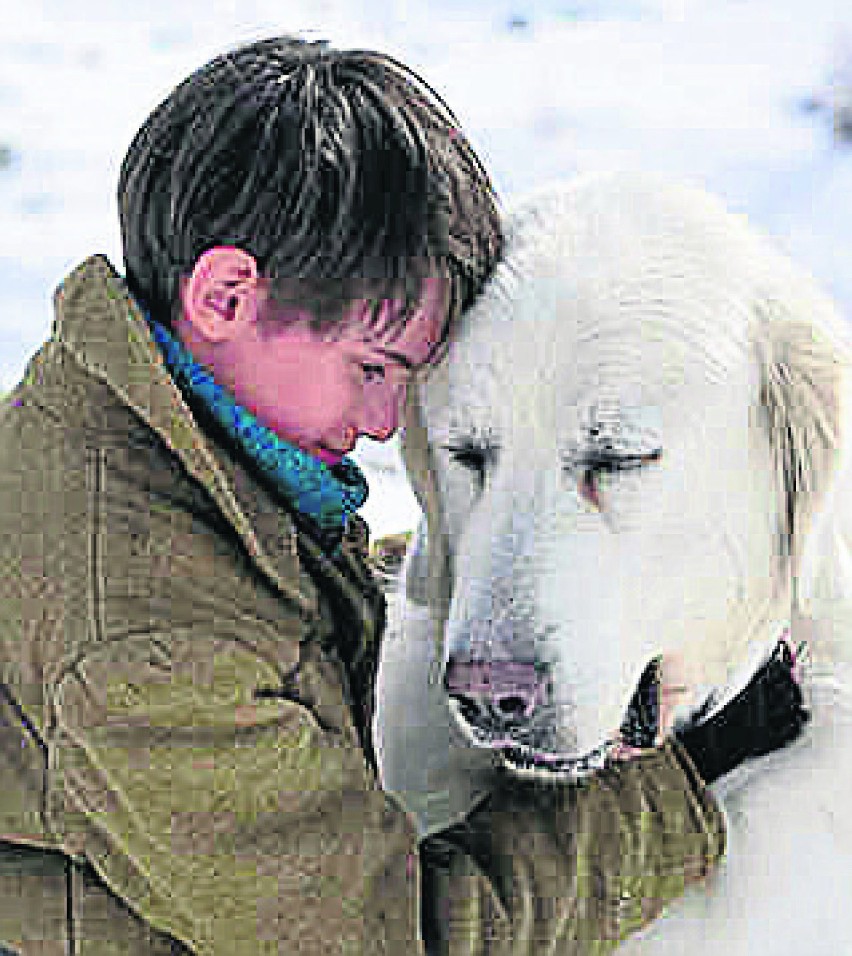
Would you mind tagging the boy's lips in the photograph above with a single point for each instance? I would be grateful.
(331, 456)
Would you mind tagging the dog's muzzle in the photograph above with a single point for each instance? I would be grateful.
(497, 703)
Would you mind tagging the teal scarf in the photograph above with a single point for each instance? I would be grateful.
(324, 495)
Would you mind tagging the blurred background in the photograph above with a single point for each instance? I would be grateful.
(751, 99)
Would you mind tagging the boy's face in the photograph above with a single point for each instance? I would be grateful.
(322, 394)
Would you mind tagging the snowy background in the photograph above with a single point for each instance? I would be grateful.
(738, 96)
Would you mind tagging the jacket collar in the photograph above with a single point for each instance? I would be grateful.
(100, 325)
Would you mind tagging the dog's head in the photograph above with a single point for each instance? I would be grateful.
(639, 426)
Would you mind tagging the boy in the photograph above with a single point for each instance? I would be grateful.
(189, 629)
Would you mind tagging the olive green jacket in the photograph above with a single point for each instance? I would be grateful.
(172, 710)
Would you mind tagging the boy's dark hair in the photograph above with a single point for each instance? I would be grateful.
(323, 164)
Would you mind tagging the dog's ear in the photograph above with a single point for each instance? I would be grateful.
(822, 595)
(429, 566)
(806, 395)
(803, 372)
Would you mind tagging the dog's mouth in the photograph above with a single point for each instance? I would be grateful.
(524, 761)
(641, 724)
(531, 748)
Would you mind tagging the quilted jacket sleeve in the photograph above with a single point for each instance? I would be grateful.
(239, 825)
(571, 870)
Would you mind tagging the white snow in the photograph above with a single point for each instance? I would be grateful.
(714, 92)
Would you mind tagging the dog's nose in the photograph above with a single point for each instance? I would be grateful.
(501, 692)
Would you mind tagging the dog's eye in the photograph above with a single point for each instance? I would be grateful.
(593, 466)
(475, 458)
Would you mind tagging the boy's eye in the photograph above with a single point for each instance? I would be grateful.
(373, 373)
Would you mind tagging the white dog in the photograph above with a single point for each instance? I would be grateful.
(639, 446)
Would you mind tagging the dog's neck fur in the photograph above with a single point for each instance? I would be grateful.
(821, 602)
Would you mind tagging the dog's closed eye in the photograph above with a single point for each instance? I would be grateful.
(592, 466)
(474, 456)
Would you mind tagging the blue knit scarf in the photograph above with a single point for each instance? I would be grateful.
(325, 495)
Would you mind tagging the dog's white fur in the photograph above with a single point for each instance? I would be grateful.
(650, 312)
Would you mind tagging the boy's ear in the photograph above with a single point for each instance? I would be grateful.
(221, 293)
